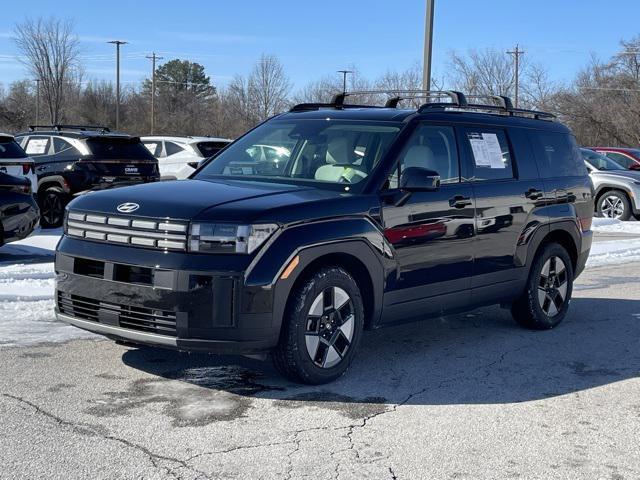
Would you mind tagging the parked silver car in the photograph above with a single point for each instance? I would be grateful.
(617, 189)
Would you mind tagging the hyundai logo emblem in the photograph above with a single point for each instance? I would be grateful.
(128, 207)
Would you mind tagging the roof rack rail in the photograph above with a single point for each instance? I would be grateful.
(59, 127)
(457, 98)
(502, 104)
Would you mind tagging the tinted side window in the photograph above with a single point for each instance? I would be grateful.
(557, 154)
(490, 153)
(620, 159)
(61, 146)
(431, 147)
(172, 148)
(10, 149)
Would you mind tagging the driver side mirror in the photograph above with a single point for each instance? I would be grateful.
(417, 179)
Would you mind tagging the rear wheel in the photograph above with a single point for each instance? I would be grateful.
(321, 329)
(52, 203)
(545, 301)
(614, 204)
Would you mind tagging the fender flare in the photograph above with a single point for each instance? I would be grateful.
(358, 238)
(567, 226)
(54, 179)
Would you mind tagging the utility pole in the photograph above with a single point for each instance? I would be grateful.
(117, 43)
(428, 46)
(344, 79)
(37, 101)
(516, 55)
(153, 59)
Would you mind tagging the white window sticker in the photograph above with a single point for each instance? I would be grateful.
(486, 150)
(37, 146)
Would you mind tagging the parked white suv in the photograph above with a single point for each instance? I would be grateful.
(179, 156)
(14, 161)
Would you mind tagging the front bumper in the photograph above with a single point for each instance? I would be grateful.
(167, 299)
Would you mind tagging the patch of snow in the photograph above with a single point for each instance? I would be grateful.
(611, 225)
(614, 252)
(40, 245)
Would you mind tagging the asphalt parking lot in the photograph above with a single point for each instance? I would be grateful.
(469, 396)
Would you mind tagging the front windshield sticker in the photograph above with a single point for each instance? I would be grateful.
(37, 146)
(486, 150)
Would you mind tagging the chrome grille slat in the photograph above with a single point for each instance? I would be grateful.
(158, 233)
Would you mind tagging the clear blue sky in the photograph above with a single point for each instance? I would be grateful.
(315, 38)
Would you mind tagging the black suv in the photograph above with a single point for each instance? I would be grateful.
(74, 158)
(372, 216)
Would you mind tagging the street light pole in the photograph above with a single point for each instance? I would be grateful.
(153, 59)
(428, 46)
(117, 43)
(344, 79)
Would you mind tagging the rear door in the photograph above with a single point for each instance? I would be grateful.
(507, 189)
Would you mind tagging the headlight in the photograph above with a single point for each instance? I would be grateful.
(228, 238)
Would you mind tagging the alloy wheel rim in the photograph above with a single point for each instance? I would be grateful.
(51, 208)
(330, 327)
(612, 207)
(553, 286)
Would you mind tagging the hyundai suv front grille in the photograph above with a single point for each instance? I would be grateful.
(160, 234)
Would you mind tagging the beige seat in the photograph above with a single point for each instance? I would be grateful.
(339, 155)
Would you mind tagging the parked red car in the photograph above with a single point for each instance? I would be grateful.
(628, 158)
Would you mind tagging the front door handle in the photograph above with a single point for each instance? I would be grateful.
(533, 194)
(460, 202)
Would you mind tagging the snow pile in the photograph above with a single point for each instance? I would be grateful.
(614, 252)
(611, 225)
(26, 307)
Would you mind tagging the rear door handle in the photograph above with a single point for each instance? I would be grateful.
(460, 202)
(533, 194)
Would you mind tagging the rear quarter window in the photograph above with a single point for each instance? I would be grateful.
(557, 154)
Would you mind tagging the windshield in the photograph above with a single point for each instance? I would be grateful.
(325, 152)
(110, 148)
(598, 161)
(10, 149)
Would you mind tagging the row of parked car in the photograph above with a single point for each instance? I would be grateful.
(42, 169)
(61, 161)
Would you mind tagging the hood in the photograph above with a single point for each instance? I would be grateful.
(186, 199)
(617, 174)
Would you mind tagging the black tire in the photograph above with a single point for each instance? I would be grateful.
(52, 203)
(545, 302)
(614, 204)
(304, 332)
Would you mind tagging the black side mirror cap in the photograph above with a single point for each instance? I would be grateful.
(193, 164)
(417, 179)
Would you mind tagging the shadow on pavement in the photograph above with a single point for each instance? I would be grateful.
(481, 357)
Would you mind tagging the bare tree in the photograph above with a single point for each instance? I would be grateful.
(268, 87)
(50, 51)
(482, 72)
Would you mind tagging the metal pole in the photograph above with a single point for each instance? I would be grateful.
(428, 45)
(516, 55)
(344, 79)
(117, 43)
(153, 59)
(37, 101)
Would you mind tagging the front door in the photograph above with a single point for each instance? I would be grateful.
(431, 232)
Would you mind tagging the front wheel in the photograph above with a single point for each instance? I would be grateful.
(614, 204)
(321, 329)
(545, 301)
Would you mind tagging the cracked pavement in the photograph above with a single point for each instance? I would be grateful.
(469, 396)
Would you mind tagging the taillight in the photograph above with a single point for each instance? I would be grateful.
(21, 189)
(27, 168)
(585, 223)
